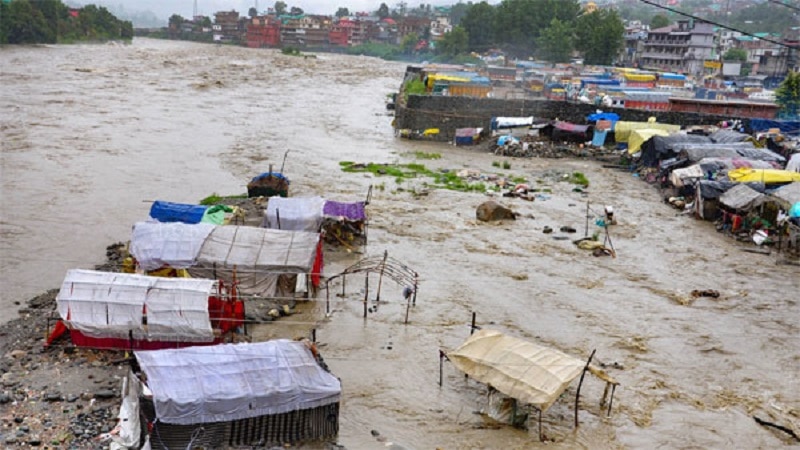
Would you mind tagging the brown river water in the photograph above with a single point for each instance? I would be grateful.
(91, 133)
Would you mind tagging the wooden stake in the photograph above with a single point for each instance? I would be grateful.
(578, 393)
(380, 277)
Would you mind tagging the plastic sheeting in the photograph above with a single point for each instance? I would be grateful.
(177, 212)
(519, 369)
(235, 381)
(294, 214)
(742, 197)
(794, 163)
(733, 150)
(640, 136)
(176, 245)
(662, 147)
(622, 130)
(724, 136)
(791, 127)
(111, 305)
(766, 176)
(257, 255)
(789, 194)
(349, 211)
(511, 122)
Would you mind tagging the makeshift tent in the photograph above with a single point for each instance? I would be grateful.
(180, 212)
(734, 150)
(680, 177)
(742, 197)
(294, 214)
(268, 184)
(659, 148)
(707, 194)
(522, 370)
(123, 311)
(343, 222)
(622, 129)
(264, 394)
(640, 136)
(766, 176)
(258, 256)
(788, 195)
(468, 136)
(565, 131)
(726, 135)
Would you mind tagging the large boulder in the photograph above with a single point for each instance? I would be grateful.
(491, 210)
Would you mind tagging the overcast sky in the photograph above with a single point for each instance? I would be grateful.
(165, 8)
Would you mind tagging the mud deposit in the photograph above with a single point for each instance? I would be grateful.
(91, 133)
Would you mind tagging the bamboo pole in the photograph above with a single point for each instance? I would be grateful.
(578, 393)
(380, 277)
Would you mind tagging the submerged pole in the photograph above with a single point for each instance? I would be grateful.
(586, 231)
(441, 360)
(611, 400)
(380, 277)
(578, 393)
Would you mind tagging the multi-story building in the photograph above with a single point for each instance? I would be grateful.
(635, 36)
(680, 48)
(768, 59)
(226, 26)
(264, 31)
(341, 33)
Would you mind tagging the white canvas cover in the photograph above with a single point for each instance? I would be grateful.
(296, 213)
(512, 122)
(519, 369)
(176, 244)
(110, 305)
(258, 254)
(794, 163)
(235, 381)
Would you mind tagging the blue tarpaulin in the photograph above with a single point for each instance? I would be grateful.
(786, 126)
(177, 212)
(599, 82)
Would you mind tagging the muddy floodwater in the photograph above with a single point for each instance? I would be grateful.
(92, 133)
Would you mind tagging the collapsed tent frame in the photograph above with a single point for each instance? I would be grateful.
(382, 265)
(610, 382)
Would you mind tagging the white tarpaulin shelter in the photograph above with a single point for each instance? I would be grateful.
(235, 381)
(111, 305)
(259, 256)
(155, 244)
(294, 214)
(519, 369)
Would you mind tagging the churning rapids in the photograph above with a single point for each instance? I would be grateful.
(91, 133)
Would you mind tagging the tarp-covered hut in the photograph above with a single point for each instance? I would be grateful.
(659, 148)
(622, 129)
(569, 132)
(271, 393)
(124, 311)
(265, 262)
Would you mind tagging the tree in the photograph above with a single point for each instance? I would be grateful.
(478, 24)
(735, 54)
(555, 42)
(409, 43)
(519, 23)
(342, 12)
(787, 96)
(599, 36)
(296, 11)
(383, 11)
(25, 24)
(252, 12)
(659, 21)
(457, 12)
(280, 8)
(454, 42)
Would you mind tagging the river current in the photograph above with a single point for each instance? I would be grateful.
(91, 134)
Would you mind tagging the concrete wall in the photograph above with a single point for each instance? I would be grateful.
(449, 113)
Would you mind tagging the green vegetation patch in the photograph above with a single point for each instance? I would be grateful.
(578, 178)
(424, 155)
(216, 199)
(446, 179)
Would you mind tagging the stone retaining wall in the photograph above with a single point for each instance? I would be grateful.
(449, 113)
